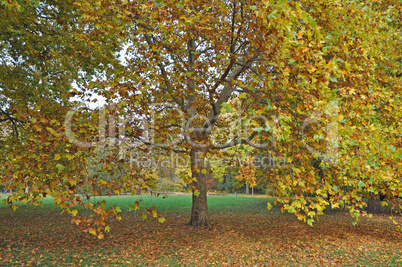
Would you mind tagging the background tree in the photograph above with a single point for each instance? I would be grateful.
(247, 174)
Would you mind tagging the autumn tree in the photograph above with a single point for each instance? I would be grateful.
(247, 174)
(183, 60)
(315, 78)
(302, 68)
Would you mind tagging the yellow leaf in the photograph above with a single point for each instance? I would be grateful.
(243, 95)
(101, 235)
(74, 212)
(154, 214)
(161, 219)
(92, 231)
(204, 171)
(269, 206)
(14, 207)
(57, 157)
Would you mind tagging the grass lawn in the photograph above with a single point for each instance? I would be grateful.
(243, 233)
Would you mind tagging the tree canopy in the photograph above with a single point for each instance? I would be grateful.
(316, 80)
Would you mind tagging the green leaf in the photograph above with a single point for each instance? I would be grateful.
(60, 167)
(52, 131)
(258, 130)
(226, 108)
(270, 107)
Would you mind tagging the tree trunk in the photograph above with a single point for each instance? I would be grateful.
(199, 211)
(373, 205)
(247, 189)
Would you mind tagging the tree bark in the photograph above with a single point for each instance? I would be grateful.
(199, 211)
(247, 189)
(373, 205)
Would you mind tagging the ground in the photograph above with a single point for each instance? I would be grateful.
(243, 233)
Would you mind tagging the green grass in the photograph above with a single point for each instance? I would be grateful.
(170, 203)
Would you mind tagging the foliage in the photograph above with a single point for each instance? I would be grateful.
(45, 46)
(306, 79)
(332, 96)
(247, 174)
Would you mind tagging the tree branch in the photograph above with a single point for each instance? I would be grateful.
(227, 91)
(159, 146)
(236, 142)
(169, 87)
